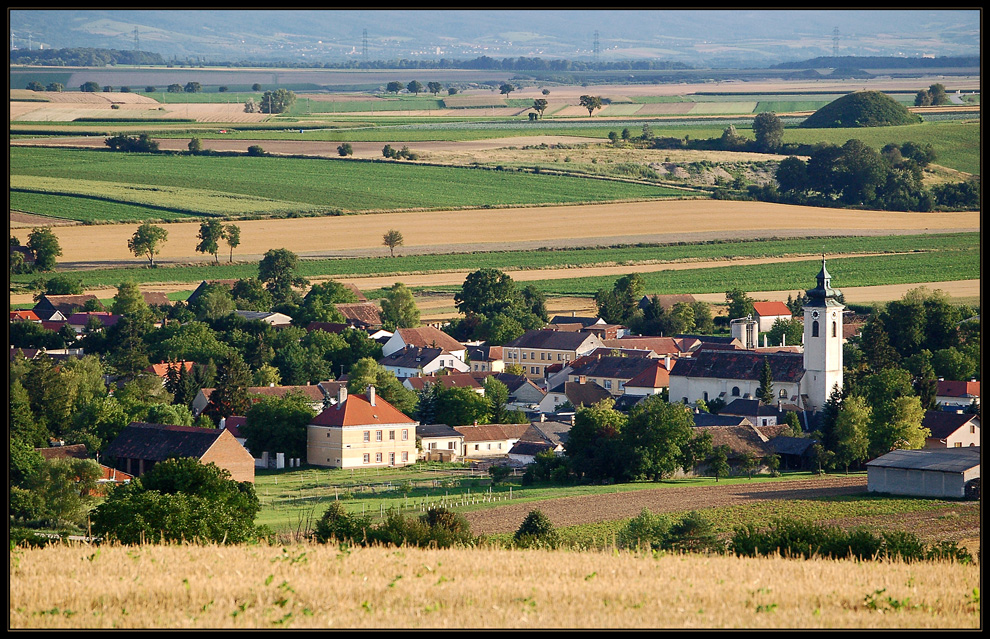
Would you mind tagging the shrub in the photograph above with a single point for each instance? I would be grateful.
(255, 150)
(499, 473)
(345, 149)
(645, 530)
(537, 531)
(337, 525)
(694, 533)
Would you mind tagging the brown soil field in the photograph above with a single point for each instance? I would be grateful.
(517, 228)
(19, 220)
(587, 509)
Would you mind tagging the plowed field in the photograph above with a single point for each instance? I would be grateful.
(587, 509)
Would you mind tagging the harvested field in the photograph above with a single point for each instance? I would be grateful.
(19, 220)
(517, 228)
(587, 509)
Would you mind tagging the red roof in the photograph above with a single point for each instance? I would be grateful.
(26, 315)
(958, 389)
(771, 309)
(427, 336)
(162, 369)
(357, 410)
(656, 376)
(450, 380)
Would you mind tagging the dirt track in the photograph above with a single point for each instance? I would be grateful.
(571, 511)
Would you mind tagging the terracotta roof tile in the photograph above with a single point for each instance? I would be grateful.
(949, 388)
(771, 309)
(427, 336)
(356, 410)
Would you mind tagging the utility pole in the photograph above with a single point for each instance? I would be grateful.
(597, 51)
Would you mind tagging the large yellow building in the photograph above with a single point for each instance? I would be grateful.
(361, 431)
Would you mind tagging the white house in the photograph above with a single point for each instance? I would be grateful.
(766, 313)
(414, 361)
(423, 337)
(953, 395)
(951, 430)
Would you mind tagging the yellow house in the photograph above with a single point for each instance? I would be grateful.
(361, 431)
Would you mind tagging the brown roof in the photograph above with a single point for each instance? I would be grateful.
(65, 304)
(311, 391)
(141, 440)
(451, 380)
(155, 298)
(427, 336)
(553, 340)
(364, 314)
(76, 451)
(578, 394)
(162, 369)
(205, 283)
(357, 410)
(656, 376)
(328, 327)
(784, 367)
(943, 423)
(739, 439)
(958, 389)
(356, 290)
(659, 345)
(492, 432)
(612, 367)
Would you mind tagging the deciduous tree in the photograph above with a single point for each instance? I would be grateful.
(591, 102)
(45, 246)
(232, 235)
(277, 270)
(392, 239)
(147, 241)
(399, 308)
(769, 132)
(210, 234)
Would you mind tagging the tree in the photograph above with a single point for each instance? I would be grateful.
(851, 432)
(497, 396)
(392, 239)
(250, 106)
(368, 372)
(229, 397)
(415, 87)
(769, 132)
(232, 235)
(277, 101)
(193, 87)
(45, 246)
(345, 149)
(150, 88)
(180, 500)
(222, 89)
(147, 240)
(278, 425)
(393, 87)
(595, 447)
(788, 332)
(657, 433)
(540, 105)
(460, 406)
(142, 143)
(718, 463)
(792, 174)
(536, 530)
(57, 87)
(210, 234)
(591, 102)
(452, 91)
(487, 291)
(34, 85)
(938, 94)
(129, 301)
(255, 150)
(740, 304)
(765, 392)
(89, 87)
(66, 488)
(195, 146)
(256, 87)
(506, 89)
(748, 463)
(923, 98)
(399, 308)
(434, 87)
(277, 270)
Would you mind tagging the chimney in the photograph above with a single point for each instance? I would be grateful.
(476, 422)
(272, 384)
(582, 379)
(371, 394)
(543, 417)
(223, 422)
(341, 395)
(764, 340)
(666, 362)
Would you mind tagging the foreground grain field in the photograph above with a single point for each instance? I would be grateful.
(517, 228)
(313, 586)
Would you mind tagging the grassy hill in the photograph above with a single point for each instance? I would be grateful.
(861, 109)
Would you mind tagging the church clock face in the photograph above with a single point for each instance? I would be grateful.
(814, 314)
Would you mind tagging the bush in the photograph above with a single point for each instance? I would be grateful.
(536, 531)
(345, 149)
(645, 530)
(337, 525)
(499, 473)
(255, 150)
(694, 533)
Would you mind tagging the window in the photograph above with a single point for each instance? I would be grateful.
(378, 458)
(705, 396)
(532, 370)
(524, 355)
(405, 456)
(391, 458)
(835, 329)
(378, 435)
(489, 446)
(451, 445)
(958, 444)
(782, 394)
(405, 434)
(367, 435)
(735, 391)
(814, 328)
(367, 458)
(433, 445)
(608, 384)
(391, 435)
(972, 428)
(476, 446)
(500, 446)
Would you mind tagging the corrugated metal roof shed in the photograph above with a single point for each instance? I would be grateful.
(949, 460)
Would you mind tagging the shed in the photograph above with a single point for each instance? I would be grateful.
(929, 472)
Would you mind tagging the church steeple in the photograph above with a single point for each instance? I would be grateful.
(823, 294)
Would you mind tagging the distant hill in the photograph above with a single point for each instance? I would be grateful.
(83, 57)
(860, 109)
(881, 62)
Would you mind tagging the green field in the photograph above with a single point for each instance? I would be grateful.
(302, 184)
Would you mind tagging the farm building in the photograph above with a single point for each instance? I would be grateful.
(439, 442)
(951, 430)
(929, 472)
(766, 313)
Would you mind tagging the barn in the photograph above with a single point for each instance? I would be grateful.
(929, 472)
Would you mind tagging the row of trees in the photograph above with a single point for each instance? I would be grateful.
(277, 101)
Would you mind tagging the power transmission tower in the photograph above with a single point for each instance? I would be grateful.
(597, 51)
(137, 40)
(364, 49)
(835, 42)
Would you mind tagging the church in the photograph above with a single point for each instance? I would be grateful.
(805, 380)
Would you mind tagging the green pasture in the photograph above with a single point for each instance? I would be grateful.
(90, 210)
(306, 106)
(345, 185)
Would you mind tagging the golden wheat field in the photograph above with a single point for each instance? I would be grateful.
(314, 586)
(526, 227)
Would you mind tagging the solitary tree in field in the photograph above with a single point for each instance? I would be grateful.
(195, 146)
(546, 91)
(769, 132)
(89, 87)
(45, 246)
(393, 87)
(415, 87)
(57, 87)
(506, 89)
(540, 105)
(591, 102)
(193, 87)
(232, 234)
(256, 87)
(392, 239)
(34, 85)
(434, 87)
(147, 240)
(277, 101)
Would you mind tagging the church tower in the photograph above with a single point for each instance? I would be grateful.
(822, 342)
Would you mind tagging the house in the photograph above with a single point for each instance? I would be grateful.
(450, 380)
(535, 350)
(234, 424)
(574, 319)
(439, 442)
(758, 413)
(951, 430)
(415, 361)
(766, 313)
(523, 393)
(142, 445)
(271, 318)
(660, 346)
(79, 321)
(525, 452)
(550, 432)
(701, 418)
(109, 476)
(363, 315)
(423, 337)
(955, 395)
(730, 375)
(602, 331)
(485, 358)
(610, 372)
(929, 472)
(361, 431)
(490, 440)
(579, 393)
(60, 307)
(740, 440)
(652, 380)
(155, 298)
(312, 392)
(795, 452)
(161, 369)
(24, 316)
